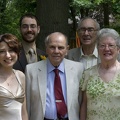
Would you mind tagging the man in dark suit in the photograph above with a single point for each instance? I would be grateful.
(29, 29)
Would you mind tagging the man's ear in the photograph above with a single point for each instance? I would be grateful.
(38, 29)
(67, 49)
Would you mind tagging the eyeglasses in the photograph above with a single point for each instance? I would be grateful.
(89, 29)
(111, 47)
(32, 26)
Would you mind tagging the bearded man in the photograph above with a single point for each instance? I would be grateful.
(29, 29)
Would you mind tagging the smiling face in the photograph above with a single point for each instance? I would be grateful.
(29, 29)
(87, 32)
(8, 57)
(108, 49)
(56, 48)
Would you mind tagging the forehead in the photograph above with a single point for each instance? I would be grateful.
(28, 20)
(107, 39)
(88, 23)
(3, 45)
(57, 40)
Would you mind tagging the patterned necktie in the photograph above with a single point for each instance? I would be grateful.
(32, 57)
(59, 98)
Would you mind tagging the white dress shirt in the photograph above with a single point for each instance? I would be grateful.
(89, 60)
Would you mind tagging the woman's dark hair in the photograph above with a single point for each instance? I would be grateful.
(12, 41)
(29, 15)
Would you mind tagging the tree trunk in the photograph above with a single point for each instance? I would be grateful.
(53, 16)
(2, 16)
(106, 14)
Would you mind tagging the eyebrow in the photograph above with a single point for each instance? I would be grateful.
(87, 28)
(28, 24)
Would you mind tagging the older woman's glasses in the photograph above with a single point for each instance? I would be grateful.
(111, 47)
(89, 30)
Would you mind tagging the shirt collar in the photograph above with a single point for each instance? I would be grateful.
(50, 67)
(27, 47)
(95, 52)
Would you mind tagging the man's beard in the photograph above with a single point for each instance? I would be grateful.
(29, 41)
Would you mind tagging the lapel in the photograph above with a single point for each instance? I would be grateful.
(38, 52)
(76, 55)
(42, 82)
(22, 58)
(69, 82)
(98, 61)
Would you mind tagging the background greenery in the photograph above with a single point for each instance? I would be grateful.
(55, 14)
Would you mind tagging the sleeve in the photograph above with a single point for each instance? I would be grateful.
(28, 84)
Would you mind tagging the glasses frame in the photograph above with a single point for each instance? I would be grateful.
(89, 30)
(111, 47)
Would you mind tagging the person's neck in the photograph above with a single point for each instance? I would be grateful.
(108, 65)
(6, 71)
(30, 45)
(88, 49)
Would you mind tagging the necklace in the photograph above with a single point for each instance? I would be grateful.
(6, 79)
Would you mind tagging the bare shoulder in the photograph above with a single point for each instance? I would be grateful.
(20, 73)
(21, 76)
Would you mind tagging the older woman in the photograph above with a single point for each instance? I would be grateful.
(12, 82)
(101, 83)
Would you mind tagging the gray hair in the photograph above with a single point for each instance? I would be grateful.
(97, 25)
(108, 32)
(48, 38)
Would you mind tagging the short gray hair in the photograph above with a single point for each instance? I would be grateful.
(108, 32)
(48, 38)
(97, 25)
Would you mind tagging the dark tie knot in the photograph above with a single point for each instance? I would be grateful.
(56, 71)
(31, 51)
(32, 57)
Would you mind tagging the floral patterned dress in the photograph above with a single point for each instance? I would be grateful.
(103, 99)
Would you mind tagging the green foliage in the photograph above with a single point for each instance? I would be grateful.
(90, 3)
(24, 6)
(11, 13)
(12, 10)
(96, 9)
(9, 19)
(79, 3)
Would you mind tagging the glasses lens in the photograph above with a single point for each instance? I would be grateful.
(89, 30)
(109, 46)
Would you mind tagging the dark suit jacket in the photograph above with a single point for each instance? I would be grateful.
(22, 60)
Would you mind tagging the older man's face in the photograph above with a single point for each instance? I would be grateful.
(56, 49)
(88, 32)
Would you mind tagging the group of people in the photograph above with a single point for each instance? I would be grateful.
(77, 84)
